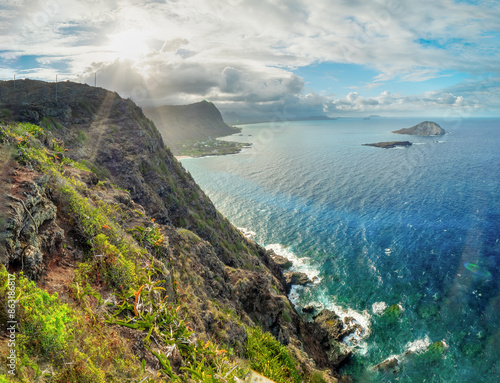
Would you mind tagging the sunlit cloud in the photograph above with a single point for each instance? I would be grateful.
(243, 54)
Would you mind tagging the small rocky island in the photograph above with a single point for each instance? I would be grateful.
(389, 144)
(426, 128)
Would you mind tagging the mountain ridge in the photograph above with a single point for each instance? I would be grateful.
(185, 124)
(89, 176)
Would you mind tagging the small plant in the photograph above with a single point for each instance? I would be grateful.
(317, 377)
(45, 320)
(392, 313)
(270, 358)
(434, 352)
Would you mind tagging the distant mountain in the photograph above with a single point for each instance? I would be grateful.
(235, 118)
(426, 128)
(181, 124)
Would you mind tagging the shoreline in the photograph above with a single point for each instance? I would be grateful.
(363, 318)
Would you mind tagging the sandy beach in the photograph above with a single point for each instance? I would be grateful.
(181, 157)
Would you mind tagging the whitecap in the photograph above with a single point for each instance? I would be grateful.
(362, 318)
(419, 345)
(379, 307)
(247, 233)
(302, 264)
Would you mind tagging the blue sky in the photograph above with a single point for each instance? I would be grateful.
(268, 57)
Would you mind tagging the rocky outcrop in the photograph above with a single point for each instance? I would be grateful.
(30, 230)
(390, 144)
(426, 128)
(295, 278)
(387, 365)
(329, 330)
(283, 262)
(220, 271)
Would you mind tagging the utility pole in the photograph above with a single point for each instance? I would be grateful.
(95, 78)
(56, 88)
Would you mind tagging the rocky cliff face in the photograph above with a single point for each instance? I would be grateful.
(92, 197)
(426, 128)
(179, 124)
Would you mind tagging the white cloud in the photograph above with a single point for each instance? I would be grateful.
(242, 52)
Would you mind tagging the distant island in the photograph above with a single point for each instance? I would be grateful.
(426, 128)
(235, 118)
(389, 144)
(371, 116)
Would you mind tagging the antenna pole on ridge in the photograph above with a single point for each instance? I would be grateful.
(56, 88)
(95, 78)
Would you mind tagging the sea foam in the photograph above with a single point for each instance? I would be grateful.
(302, 264)
(247, 233)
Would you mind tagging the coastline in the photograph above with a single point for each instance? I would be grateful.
(346, 314)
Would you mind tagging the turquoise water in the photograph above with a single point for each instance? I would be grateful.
(418, 227)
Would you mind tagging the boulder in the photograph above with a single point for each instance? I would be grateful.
(309, 309)
(387, 365)
(283, 262)
(295, 278)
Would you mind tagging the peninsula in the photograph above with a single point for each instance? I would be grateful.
(191, 130)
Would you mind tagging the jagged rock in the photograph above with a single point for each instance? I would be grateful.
(387, 365)
(426, 128)
(351, 327)
(308, 309)
(283, 262)
(330, 322)
(31, 230)
(328, 329)
(295, 278)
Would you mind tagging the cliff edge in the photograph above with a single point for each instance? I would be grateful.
(185, 124)
(123, 268)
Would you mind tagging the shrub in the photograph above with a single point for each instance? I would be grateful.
(317, 377)
(270, 358)
(392, 313)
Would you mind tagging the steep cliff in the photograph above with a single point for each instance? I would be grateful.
(138, 276)
(182, 124)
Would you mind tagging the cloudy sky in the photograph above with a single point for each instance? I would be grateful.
(268, 58)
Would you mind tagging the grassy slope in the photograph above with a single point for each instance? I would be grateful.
(128, 311)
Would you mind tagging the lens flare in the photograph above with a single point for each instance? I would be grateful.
(477, 270)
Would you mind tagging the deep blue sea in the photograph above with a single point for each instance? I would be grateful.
(418, 227)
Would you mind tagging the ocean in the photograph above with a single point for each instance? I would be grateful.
(417, 227)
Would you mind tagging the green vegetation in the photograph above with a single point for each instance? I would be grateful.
(54, 332)
(270, 358)
(122, 294)
(434, 352)
(392, 313)
(211, 147)
(98, 170)
(51, 123)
